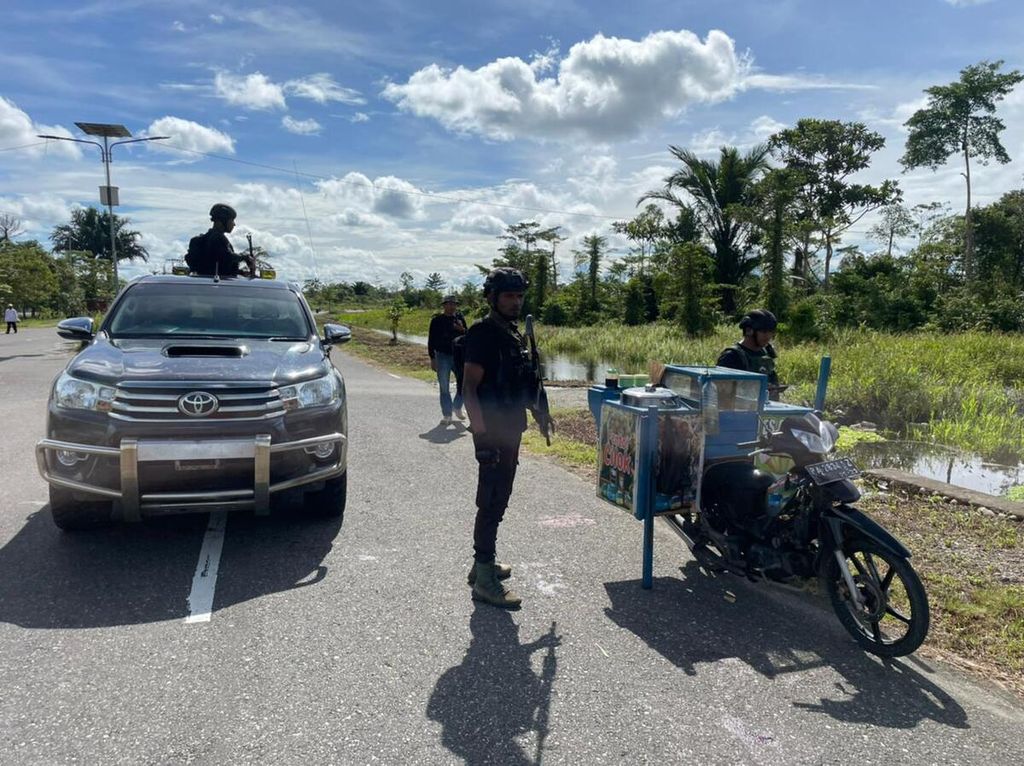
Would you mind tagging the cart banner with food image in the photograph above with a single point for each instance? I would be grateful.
(617, 457)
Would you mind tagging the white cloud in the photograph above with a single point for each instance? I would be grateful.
(604, 88)
(360, 117)
(791, 82)
(966, 3)
(37, 211)
(764, 127)
(252, 91)
(476, 219)
(216, 18)
(308, 127)
(18, 129)
(396, 198)
(321, 87)
(386, 195)
(177, 26)
(188, 135)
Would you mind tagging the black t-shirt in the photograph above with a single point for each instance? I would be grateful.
(500, 350)
(442, 332)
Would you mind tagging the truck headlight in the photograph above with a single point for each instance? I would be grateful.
(74, 394)
(312, 393)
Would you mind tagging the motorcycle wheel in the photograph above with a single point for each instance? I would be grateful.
(893, 620)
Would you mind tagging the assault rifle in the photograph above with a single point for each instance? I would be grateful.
(539, 407)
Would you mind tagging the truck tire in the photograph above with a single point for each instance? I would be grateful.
(73, 515)
(328, 502)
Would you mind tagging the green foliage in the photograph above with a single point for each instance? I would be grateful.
(802, 324)
(26, 273)
(89, 231)
(718, 190)
(822, 155)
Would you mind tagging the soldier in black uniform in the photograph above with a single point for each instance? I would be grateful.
(755, 352)
(211, 253)
(498, 383)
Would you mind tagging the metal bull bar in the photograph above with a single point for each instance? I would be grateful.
(134, 451)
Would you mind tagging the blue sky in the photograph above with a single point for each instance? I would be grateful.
(360, 140)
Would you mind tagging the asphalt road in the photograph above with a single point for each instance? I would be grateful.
(358, 642)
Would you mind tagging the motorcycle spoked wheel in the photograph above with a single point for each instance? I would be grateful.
(893, 621)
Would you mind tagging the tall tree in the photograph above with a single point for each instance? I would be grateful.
(10, 227)
(643, 231)
(552, 237)
(959, 118)
(434, 281)
(895, 221)
(771, 203)
(590, 258)
(89, 231)
(825, 154)
(716, 188)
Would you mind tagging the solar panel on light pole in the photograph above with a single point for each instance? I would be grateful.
(108, 193)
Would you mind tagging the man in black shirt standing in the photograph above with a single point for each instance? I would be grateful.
(444, 329)
(755, 352)
(211, 254)
(497, 385)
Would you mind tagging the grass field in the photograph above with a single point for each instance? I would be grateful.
(968, 389)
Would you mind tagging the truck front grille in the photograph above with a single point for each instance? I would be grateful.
(154, 401)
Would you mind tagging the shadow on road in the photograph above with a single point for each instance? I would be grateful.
(444, 434)
(690, 623)
(494, 698)
(130, 574)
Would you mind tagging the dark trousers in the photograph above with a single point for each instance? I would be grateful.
(12, 326)
(494, 487)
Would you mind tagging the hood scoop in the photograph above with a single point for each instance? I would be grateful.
(229, 352)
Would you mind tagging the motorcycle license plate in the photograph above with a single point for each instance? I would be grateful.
(833, 470)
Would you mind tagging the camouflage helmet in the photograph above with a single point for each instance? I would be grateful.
(759, 320)
(222, 212)
(450, 299)
(504, 280)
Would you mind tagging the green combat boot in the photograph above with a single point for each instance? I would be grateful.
(490, 590)
(503, 571)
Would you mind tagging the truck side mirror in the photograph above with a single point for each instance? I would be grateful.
(336, 333)
(78, 328)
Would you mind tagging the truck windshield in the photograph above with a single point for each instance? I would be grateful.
(221, 310)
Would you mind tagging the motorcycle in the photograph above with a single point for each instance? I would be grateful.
(800, 524)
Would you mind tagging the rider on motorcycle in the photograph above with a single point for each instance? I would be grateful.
(755, 353)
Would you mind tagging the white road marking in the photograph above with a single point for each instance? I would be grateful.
(396, 377)
(204, 582)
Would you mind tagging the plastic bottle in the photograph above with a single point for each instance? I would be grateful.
(709, 405)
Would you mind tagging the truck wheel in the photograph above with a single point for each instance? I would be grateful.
(75, 515)
(329, 501)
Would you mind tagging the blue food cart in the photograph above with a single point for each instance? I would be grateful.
(655, 441)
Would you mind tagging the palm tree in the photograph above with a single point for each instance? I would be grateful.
(717, 190)
(89, 230)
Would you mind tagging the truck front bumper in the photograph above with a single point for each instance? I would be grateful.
(134, 501)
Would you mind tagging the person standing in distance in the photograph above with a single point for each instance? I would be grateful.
(755, 353)
(444, 329)
(211, 253)
(497, 384)
(11, 317)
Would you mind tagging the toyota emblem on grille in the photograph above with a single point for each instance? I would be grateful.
(198, 404)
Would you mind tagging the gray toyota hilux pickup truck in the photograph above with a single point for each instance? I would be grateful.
(196, 394)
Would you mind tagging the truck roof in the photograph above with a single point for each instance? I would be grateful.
(241, 281)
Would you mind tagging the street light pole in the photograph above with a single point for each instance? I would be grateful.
(108, 193)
